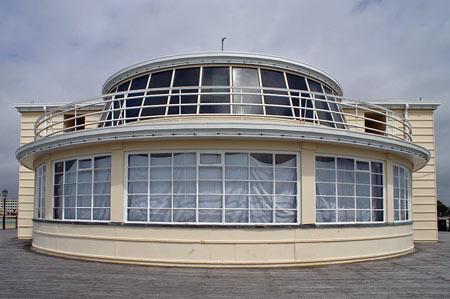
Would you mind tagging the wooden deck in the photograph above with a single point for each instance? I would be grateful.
(25, 274)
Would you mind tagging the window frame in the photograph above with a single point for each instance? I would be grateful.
(91, 194)
(223, 194)
(39, 191)
(407, 192)
(371, 185)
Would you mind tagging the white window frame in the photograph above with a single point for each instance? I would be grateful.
(92, 157)
(406, 192)
(354, 184)
(222, 152)
(39, 192)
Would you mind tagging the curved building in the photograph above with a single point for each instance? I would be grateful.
(225, 159)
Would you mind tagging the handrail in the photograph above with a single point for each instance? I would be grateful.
(303, 107)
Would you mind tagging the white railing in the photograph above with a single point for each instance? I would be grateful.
(303, 107)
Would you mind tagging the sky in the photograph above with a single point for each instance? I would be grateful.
(63, 51)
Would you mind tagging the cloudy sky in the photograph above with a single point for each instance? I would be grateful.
(62, 51)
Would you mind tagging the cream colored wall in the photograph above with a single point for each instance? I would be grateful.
(26, 179)
(424, 181)
(223, 247)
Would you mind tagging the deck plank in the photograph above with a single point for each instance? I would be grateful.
(26, 274)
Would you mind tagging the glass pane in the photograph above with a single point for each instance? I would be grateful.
(102, 201)
(160, 173)
(346, 176)
(325, 216)
(324, 175)
(261, 216)
(102, 162)
(59, 167)
(346, 216)
(137, 215)
(236, 187)
(137, 201)
(246, 77)
(83, 201)
(138, 187)
(363, 203)
(361, 165)
(275, 79)
(283, 216)
(346, 189)
(285, 160)
(210, 187)
(362, 216)
(261, 173)
(184, 201)
(70, 177)
(323, 202)
(214, 216)
(257, 159)
(236, 159)
(161, 201)
(377, 167)
(84, 214)
(325, 162)
(284, 188)
(236, 201)
(159, 215)
(184, 215)
(285, 174)
(84, 188)
(210, 173)
(184, 173)
(85, 176)
(210, 201)
(236, 173)
(184, 159)
(184, 187)
(102, 175)
(101, 214)
(261, 187)
(160, 159)
(215, 76)
(161, 187)
(325, 189)
(86, 163)
(157, 80)
(102, 188)
(345, 164)
(70, 165)
(286, 202)
(261, 202)
(210, 158)
(138, 160)
(236, 216)
(185, 77)
(138, 174)
(346, 202)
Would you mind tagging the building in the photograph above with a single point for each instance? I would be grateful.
(226, 159)
(12, 206)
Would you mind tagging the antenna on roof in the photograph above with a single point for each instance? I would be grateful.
(223, 39)
(420, 99)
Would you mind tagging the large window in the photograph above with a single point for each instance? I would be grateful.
(39, 193)
(82, 189)
(212, 187)
(222, 90)
(349, 190)
(402, 201)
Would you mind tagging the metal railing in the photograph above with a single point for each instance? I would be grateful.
(300, 106)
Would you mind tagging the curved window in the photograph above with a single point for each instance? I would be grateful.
(349, 190)
(212, 187)
(402, 199)
(82, 189)
(238, 90)
(39, 193)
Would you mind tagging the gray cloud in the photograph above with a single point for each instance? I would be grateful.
(57, 51)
